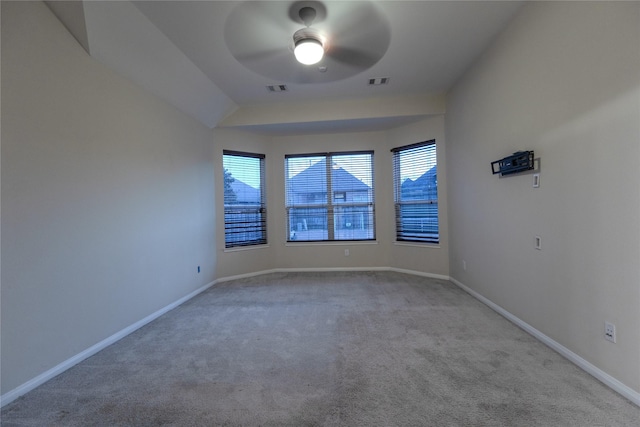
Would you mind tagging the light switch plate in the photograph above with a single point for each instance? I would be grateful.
(536, 180)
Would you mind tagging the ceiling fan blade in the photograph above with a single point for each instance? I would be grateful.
(356, 22)
(259, 34)
(253, 16)
(353, 57)
(264, 55)
(360, 33)
(258, 27)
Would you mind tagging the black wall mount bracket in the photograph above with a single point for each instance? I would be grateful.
(519, 161)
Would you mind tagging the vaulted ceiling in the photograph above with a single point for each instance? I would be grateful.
(215, 60)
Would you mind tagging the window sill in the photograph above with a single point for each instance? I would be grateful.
(333, 243)
(245, 248)
(418, 244)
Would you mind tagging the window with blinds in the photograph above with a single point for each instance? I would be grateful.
(245, 213)
(330, 196)
(416, 192)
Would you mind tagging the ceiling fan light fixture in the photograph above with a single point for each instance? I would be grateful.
(308, 50)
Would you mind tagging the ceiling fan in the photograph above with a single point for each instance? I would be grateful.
(309, 44)
(345, 37)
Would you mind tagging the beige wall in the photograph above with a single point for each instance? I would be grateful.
(563, 80)
(109, 202)
(433, 259)
(240, 261)
(107, 198)
(383, 253)
(330, 255)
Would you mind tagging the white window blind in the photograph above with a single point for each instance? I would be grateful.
(245, 213)
(330, 196)
(416, 192)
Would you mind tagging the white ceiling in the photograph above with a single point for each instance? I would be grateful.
(182, 52)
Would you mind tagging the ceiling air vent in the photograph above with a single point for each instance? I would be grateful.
(277, 88)
(379, 81)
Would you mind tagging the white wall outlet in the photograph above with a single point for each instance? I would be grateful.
(346, 252)
(610, 332)
(536, 180)
(464, 265)
(538, 242)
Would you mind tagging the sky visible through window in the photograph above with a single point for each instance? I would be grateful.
(413, 167)
(357, 165)
(243, 169)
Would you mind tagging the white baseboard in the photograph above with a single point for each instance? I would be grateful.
(331, 269)
(397, 270)
(12, 395)
(245, 275)
(596, 372)
(602, 376)
(420, 273)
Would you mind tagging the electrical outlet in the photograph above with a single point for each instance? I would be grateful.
(464, 265)
(346, 252)
(538, 243)
(610, 332)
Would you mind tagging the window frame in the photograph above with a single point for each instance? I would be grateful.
(258, 209)
(330, 203)
(401, 229)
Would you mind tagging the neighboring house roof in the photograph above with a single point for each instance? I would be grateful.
(313, 180)
(245, 193)
(424, 185)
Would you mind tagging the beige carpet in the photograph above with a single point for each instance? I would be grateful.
(326, 349)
